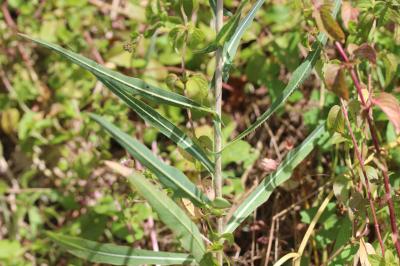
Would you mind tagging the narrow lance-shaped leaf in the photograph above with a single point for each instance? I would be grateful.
(263, 191)
(117, 255)
(232, 45)
(213, 5)
(299, 75)
(226, 31)
(169, 176)
(168, 211)
(164, 125)
(132, 85)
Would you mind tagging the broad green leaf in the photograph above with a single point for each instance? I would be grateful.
(232, 45)
(151, 116)
(283, 173)
(169, 176)
(197, 88)
(131, 85)
(298, 77)
(117, 255)
(221, 203)
(170, 214)
(335, 120)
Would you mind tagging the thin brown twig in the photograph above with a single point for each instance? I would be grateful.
(367, 107)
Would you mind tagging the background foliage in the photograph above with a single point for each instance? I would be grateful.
(51, 153)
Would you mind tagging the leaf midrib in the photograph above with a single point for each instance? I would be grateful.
(163, 172)
(153, 94)
(76, 246)
(183, 139)
(242, 25)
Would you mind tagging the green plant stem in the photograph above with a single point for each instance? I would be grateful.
(217, 122)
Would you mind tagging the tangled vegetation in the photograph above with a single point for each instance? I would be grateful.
(200, 132)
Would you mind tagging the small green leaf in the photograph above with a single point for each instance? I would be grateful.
(228, 237)
(197, 88)
(335, 120)
(221, 203)
(9, 120)
(174, 83)
(208, 260)
(117, 255)
(330, 25)
(340, 87)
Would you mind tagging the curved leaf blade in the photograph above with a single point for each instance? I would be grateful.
(298, 77)
(263, 191)
(169, 176)
(213, 5)
(117, 255)
(131, 85)
(168, 211)
(232, 45)
(151, 116)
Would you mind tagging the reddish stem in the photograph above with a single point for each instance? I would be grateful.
(361, 160)
(374, 137)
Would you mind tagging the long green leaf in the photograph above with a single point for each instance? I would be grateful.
(299, 75)
(170, 214)
(132, 85)
(213, 5)
(231, 46)
(169, 176)
(117, 255)
(283, 173)
(148, 114)
(226, 32)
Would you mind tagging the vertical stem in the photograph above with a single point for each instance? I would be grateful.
(361, 161)
(217, 124)
(374, 136)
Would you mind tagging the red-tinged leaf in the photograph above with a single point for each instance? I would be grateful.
(390, 106)
(330, 25)
(366, 51)
(335, 120)
(335, 80)
(330, 73)
(349, 13)
(340, 87)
